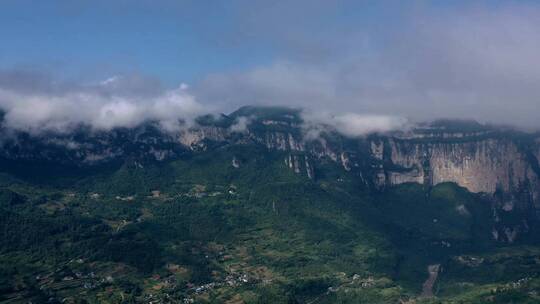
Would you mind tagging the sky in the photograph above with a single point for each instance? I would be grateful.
(118, 63)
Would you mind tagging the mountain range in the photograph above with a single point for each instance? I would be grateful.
(262, 206)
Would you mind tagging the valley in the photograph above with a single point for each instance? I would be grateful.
(265, 215)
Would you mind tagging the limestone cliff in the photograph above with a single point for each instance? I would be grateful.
(484, 165)
(498, 162)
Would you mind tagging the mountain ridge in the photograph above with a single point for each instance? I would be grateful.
(484, 159)
(259, 207)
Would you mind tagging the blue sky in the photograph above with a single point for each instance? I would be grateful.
(109, 37)
(419, 60)
(176, 41)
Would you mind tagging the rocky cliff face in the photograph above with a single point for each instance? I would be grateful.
(502, 164)
(480, 165)
(497, 162)
(481, 161)
(496, 165)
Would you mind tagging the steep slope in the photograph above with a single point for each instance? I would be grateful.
(484, 159)
(249, 208)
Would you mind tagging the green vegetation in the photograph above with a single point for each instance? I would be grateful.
(198, 229)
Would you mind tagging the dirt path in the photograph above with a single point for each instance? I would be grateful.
(427, 288)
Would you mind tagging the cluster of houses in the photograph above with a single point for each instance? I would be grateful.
(197, 192)
(357, 280)
(514, 285)
(469, 260)
(231, 280)
(62, 278)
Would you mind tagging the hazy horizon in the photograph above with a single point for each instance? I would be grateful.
(118, 64)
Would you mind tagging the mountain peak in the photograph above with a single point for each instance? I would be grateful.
(268, 112)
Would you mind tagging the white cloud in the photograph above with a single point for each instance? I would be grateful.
(37, 112)
(473, 62)
(351, 124)
(241, 124)
(282, 83)
(468, 61)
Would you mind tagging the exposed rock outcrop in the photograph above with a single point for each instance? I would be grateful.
(480, 166)
(481, 159)
(194, 138)
(300, 164)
